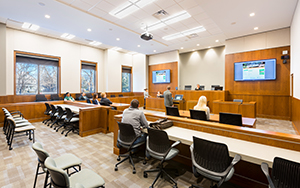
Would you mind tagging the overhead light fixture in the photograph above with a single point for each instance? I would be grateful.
(30, 26)
(117, 39)
(89, 30)
(129, 7)
(67, 36)
(181, 48)
(252, 14)
(185, 33)
(95, 43)
(116, 48)
(217, 40)
(193, 49)
(154, 50)
(198, 44)
(168, 21)
(47, 16)
(138, 45)
(209, 47)
(255, 28)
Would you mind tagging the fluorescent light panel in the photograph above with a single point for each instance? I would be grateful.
(129, 7)
(168, 21)
(30, 26)
(184, 33)
(67, 36)
(95, 43)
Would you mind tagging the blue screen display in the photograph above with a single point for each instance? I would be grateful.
(161, 76)
(255, 70)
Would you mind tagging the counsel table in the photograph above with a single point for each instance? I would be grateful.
(247, 122)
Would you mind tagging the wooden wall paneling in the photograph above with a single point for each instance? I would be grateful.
(296, 114)
(154, 88)
(156, 104)
(248, 109)
(112, 114)
(190, 104)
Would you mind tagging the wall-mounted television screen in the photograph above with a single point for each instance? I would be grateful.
(255, 70)
(161, 76)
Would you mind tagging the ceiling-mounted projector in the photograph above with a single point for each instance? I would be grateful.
(146, 36)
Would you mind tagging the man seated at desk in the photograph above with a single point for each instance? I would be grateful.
(198, 87)
(168, 99)
(105, 101)
(136, 118)
(68, 97)
(82, 97)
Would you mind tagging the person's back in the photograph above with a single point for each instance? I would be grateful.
(201, 105)
(105, 101)
(82, 97)
(168, 100)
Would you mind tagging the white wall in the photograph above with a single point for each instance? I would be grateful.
(139, 72)
(71, 54)
(2, 59)
(295, 51)
(167, 57)
(204, 67)
(271, 39)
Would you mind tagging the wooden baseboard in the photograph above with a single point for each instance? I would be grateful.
(295, 128)
(94, 131)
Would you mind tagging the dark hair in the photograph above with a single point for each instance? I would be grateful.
(95, 96)
(134, 103)
(169, 87)
(67, 93)
(145, 89)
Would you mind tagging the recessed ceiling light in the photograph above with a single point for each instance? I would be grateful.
(89, 30)
(67, 36)
(117, 39)
(95, 43)
(193, 49)
(198, 44)
(167, 21)
(129, 7)
(184, 33)
(138, 45)
(252, 14)
(217, 40)
(255, 28)
(30, 26)
(154, 50)
(47, 16)
(209, 47)
(116, 48)
(181, 48)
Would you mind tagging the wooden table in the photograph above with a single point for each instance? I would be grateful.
(247, 122)
(247, 109)
(120, 106)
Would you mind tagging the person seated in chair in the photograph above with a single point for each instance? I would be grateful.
(95, 99)
(105, 101)
(68, 97)
(136, 118)
(198, 87)
(159, 94)
(82, 97)
(202, 105)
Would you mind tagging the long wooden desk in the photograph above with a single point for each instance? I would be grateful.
(247, 109)
(127, 99)
(247, 122)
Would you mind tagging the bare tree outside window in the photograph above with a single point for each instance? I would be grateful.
(26, 79)
(126, 87)
(88, 80)
(48, 79)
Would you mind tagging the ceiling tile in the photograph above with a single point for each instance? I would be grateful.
(151, 9)
(215, 31)
(203, 34)
(97, 12)
(189, 21)
(105, 6)
(81, 5)
(192, 25)
(178, 26)
(92, 2)
(141, 14)
(66, 1)
(174, 9)
(195, 10)
(116, 2)
(163, 4)
(187, 4)
(201, 16)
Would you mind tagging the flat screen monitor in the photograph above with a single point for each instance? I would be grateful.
(161, 76)
(178, 97)
(187, 87)
(255, 70)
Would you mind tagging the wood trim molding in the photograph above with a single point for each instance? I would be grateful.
(96, 74)
(39, 55)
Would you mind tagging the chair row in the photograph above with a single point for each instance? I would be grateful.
(14, 125)
(56, 168)
(56, 97)
(209, 159)
(61, 118)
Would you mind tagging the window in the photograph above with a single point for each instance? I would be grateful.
(88, 77)
(126, 79)
(36, 74)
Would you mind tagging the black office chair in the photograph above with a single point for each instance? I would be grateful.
(231, 119)
(187, 87)
(47, 112)
(126, 138)
(202, 87)
(40, 97)
(77, 95)
(112, 95)
(52, 114)
(212, 160)
(238, 100)
(89, 95)
(158, 146)
(55, 97)
(214, 86)
(72, 121)
(120, 95)
(172, 111)
(285, 173)
(198, 114)
(88, 101)
(61, 115)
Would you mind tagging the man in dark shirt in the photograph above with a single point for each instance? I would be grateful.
(82, 97)
(168, 97)
(105, 101)
(198, 87)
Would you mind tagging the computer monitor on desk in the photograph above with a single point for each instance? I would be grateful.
(178, 97)
(219, 88)
(187, 87)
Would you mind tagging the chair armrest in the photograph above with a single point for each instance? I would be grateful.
(172, 146)
(134, 141)
(235, 160)
(265, 169)
(175, 144)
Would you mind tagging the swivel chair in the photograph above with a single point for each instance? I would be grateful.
(72, 121)
(158, 147)
(285, 173)
(55, 97)
(212, 160)
(172, 111)
(126, 139)
(231, 119)
(40, 97)
(47, 112)
(198, 114)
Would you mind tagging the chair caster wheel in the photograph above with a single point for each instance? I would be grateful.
(62, 133)
(134, 172)
(151, 187)
(118, 159)
(144, 162)
(175, 186)
(146, 175)
(116, 168)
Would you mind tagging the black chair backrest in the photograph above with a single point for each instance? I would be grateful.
(202, 87)
(77, 95)
(53, 109)
(238, 100)
(211, 155)
(158, 140)
(198, 114)
(48, 108)
(213, 86)
(172, 111)
(112, 95)
(89, 95)
(219, 88)
(187, 87)
(40, 97)
(88, 101)
(69, 115)
(60, 112)
(126, 133)
(55, 97)
(120, 95)
(231, 119)
(285, 173)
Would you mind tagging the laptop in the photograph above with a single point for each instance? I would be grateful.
(178, 97)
